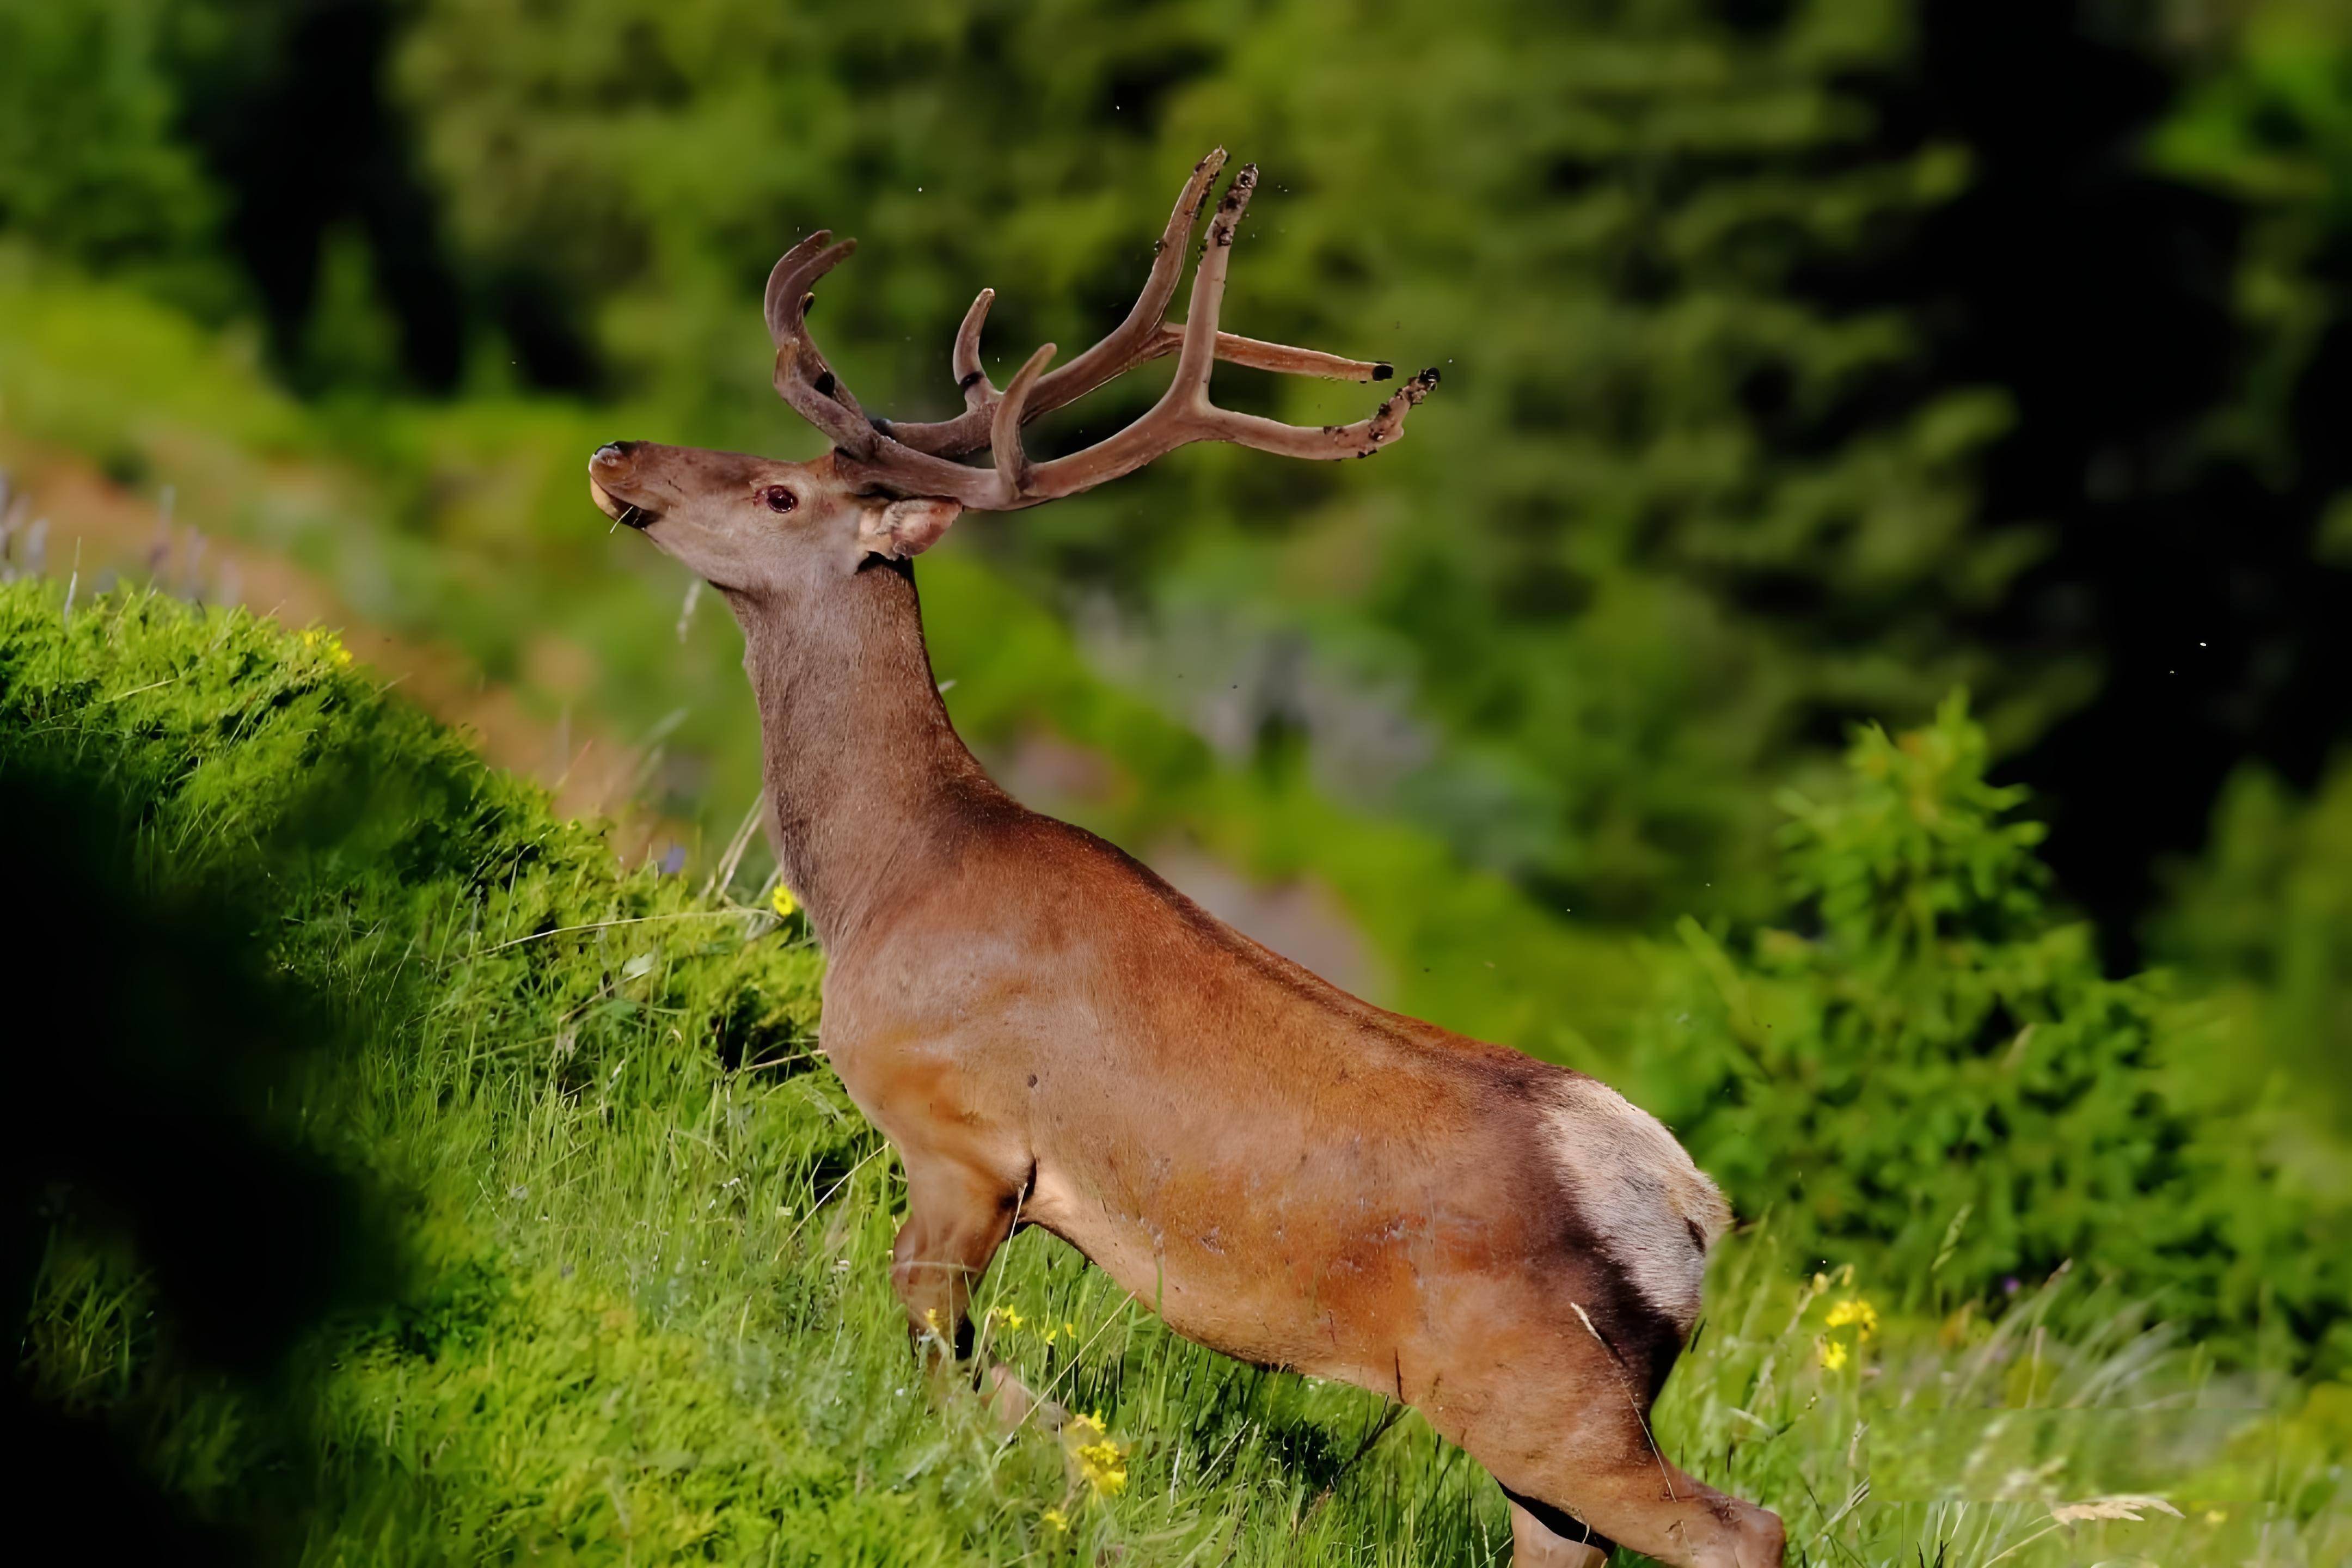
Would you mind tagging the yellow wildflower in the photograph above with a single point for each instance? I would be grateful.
(1011, 1318)
(1833, 1353)
(328, 645)
(1101, 1461)
(1104, 1465)
(1056, 1520)
(782, 901)
(1857, 1314)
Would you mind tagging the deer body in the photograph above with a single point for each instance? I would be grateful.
(1050, 1034)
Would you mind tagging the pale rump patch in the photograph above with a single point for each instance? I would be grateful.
(1653, 1210)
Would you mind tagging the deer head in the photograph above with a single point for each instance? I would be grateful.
(756, 525)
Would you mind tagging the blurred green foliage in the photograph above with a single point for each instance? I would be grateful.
(2265, 918)
(2264, 915)
(2271, 126)
(1922, 1062)
(93, 164)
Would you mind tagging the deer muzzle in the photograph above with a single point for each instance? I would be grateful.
(611, 487)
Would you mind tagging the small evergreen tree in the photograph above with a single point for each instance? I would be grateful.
(1924, 1064)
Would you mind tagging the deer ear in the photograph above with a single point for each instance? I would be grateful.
(908, 527)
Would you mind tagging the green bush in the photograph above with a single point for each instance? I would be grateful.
(1925, 1065)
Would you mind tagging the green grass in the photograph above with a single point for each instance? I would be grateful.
(644, 1313)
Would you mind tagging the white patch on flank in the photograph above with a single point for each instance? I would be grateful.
(1639, 1191)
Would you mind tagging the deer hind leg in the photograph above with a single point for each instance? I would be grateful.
(1662, 1513)
(1561, 1420)
(957, 1217)
(1598, 1492)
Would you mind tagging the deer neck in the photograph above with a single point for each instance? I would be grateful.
(868, 784)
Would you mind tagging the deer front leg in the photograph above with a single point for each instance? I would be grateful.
(956, 1219)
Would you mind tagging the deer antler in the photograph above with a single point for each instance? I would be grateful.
(915, 458)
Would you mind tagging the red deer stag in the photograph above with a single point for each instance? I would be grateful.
(1052, 1036)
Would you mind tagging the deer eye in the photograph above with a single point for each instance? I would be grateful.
(780, 497)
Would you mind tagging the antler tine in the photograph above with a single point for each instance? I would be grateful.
(804, 380)
(1004, 429)
(970, 379)
(796, 272)
(1183, 412)
(1361, 439)
(1258, 354)
(1198, 354)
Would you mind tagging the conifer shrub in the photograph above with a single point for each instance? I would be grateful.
(1923, 1063)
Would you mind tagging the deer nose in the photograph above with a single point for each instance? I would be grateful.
(613, 453)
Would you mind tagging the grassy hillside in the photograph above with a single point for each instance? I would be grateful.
(641, 1311)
